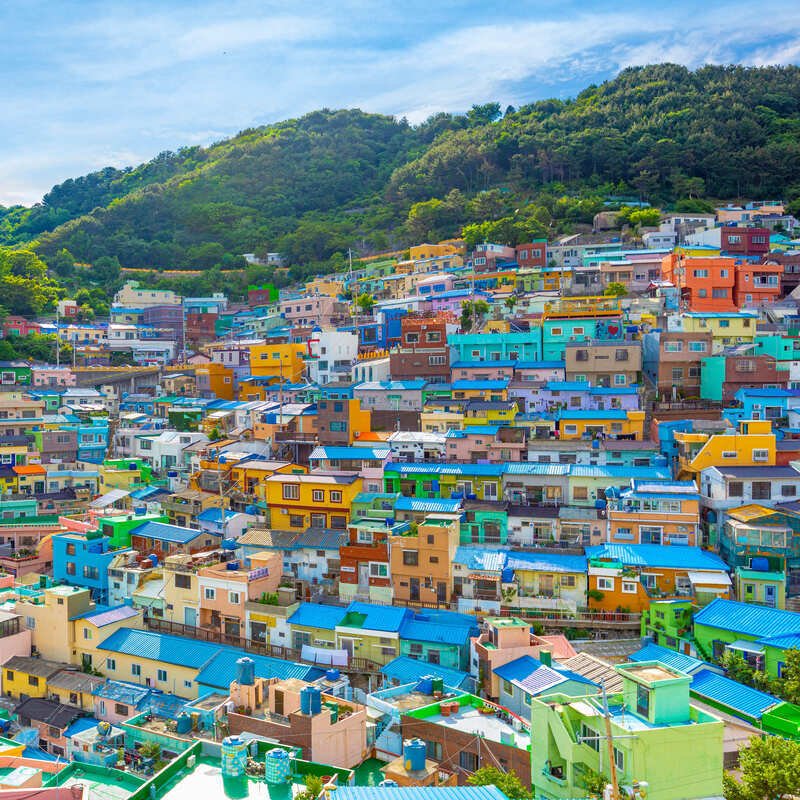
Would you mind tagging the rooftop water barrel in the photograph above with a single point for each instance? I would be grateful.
(759, 564)
(277, 767)
(438, 684)
(387, 783)
(660, 461)
(140, 511)
(595, 444)
(414, 755)
(310, 700)
(233, 757)
(332, 674)
(245, 671)
(172, 474)
(183, 723)
(232, 566)
(425, 685)
(229, 544)
(153, 558)
(507, 575)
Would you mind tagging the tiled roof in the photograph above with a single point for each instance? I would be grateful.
(264, 537)
(33, 666)
(322, 539)
(748, 619)
(708, 685)
(38, 709)
(73, 680)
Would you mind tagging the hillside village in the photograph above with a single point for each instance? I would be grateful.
(531, 508)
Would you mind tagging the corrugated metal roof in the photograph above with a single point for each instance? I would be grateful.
(535, 468)
(481, 559)
(167, 533)
(619, 472)
(420, 793)
(672, 658)
(379, 618)
(659, 555)
(491, 470)
(408, 670)
(106, 616)
(123, 692)
(435, 632)
(748, 619)
(440, 505)
(708, 685)
(595, 670)
(163, 647)
(350, 453)
(320, 539)
(546, 562)
(317, 615)
(221, 670)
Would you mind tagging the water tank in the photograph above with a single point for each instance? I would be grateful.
(43, 581)
(232, 566)
(438, 684)
(172, 473)
(277, 767)
(414, 755)
(103, 729)
(310, 700)
(387, 783)
(140, 511)
(153, 559)
(233, 757)
(660, 461)
(507, 575)
(425, 685)
(183, 723)
(595, 444)
(759, 564)
(132, 465)
(332, 674)
(229, 544)
(245, 671)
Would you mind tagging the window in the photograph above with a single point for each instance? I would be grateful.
(580, 493)
(701, 273)
(121, 709)
(629, 587)
(468, 761)
(410, 558)
(762, 490)
(620, 380)
(187, 684)
(183, 581)
(788, 490)
(336, 497)
(92, 573)
(556, 331)
(589, 737)
(70, 547)
(162, 675)
(233, 598)
(296, 520)
(338, 427)
(735, 489)
(87, 633)
(434, 559)
(760, 455)
(619, 759)
(698, 347)
(437, 361)
(33, 680)
(621, 355)
(378, 570)
(111, 664)
(318, 496)
(677, 373)
(210, 594)
(507, 687)
(673, 347)
(605, 584)
(70, 567)
(136, 670)
(433, 750)
(291, 491)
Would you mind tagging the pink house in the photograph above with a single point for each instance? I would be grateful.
(225, 590)
(492, 444)
(319, 310)
(482, 370)
(51, 376)
(15, 638)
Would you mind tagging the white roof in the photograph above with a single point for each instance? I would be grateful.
(710, 578)
(109, 498)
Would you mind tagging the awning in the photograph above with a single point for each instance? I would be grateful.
(746, 647)
(709, 578)
(109, 498)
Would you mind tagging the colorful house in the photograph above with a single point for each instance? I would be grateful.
(611, 423)
(319, 500)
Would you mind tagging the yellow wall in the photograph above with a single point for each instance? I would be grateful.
(752, 435)
(633, 425)
(274, 360)
(306, 503)
(22, 683)
(123, 671)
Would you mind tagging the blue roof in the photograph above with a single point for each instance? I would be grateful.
(567, 386)
(659, 555)
(763, 391)
(761, 622)
(486, 430)
(215, 515)
(350, 453)
(317, 615)
(546, 562)
(436, 632)
(708, 685)
(167, 533)
(671, 658)
(178, 650)
(540, 364)
(481, 558)
(130, 693)
(434, 505)
(466, 383)
(577, 413)
(221, 670)
(408, 670)
(536, 677)
(489, 470)
(148, 491)
(619, 472)
(420, 793)
(379, 618)
(80, 725)
(478, 364)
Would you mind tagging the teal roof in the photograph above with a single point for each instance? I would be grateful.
(182, 652)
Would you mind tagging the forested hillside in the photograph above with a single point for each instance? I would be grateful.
(314, 186)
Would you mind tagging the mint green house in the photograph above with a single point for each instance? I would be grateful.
(482, 524)
(657, 736)
(765, 588)
(496, 346)
(118, 528)
(712, 376)
(668, 623)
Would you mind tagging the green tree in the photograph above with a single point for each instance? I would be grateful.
(365, 303)
(736, 667)
(615, 289)
(770, 769)
(507, 782)
(484, 114)
(790, 676)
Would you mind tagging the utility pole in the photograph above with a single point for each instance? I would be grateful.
(58, 341)
(612, 764)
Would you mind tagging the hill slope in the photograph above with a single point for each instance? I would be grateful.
(333, 179)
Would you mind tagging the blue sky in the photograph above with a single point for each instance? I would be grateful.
(88, 84)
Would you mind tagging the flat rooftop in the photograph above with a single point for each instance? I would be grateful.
(490, 726)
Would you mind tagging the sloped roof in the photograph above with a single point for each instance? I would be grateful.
(749, 619)
(709, 685)
(408, 670)
(658, 555)
(164, 647)
(672, 658)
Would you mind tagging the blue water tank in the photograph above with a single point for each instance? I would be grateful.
(387, 783)
(595, 444)
(153, 559)
(660, 461)
(245, 671)
(172, 473)
(414, 755)
(140, 511)
(759, 564)
(332, 674)
(507, 575)
(425, 685)
(310, 700)
(232, 566)
(183, 723)
(229, 544)
(132, 466)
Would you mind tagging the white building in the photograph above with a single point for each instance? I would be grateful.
(333, 354)
(133, 296)
(413, 446)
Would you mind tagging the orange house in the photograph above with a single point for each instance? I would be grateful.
(757, 284)
(214, 379)
(705, 283)
(628, 577)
